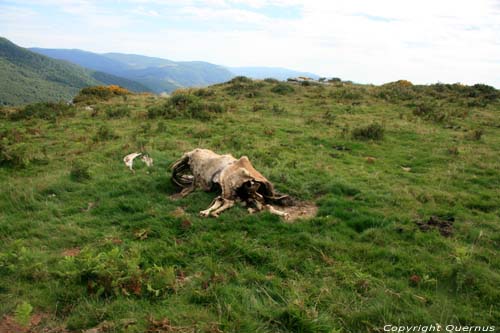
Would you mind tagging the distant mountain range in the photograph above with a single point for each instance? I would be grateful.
(38, 74)
(161, 75)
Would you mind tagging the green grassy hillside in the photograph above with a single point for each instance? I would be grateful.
(27, 77)
(405, 177)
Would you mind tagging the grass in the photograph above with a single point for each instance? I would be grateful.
(360, 264)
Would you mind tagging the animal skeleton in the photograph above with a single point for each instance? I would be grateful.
(236, 178)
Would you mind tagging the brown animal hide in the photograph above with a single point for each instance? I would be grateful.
(237, 179)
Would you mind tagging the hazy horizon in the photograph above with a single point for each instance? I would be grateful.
(424, 42)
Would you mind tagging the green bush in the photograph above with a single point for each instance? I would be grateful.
(185, 106)
(282, 89)
(373, 131)
(245, 87)
(183, 101)
(104, 133)
(204, 92)
(79, 172)
(117, 272)
(241, 79)
(118, 112)
(476, 134)
(429, 111)
(43, 110)
(94, 94)
(14, 152)
(14, 155)
(271, 80)
(278, 110)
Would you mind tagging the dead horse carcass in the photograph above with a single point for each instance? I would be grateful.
(236, 178)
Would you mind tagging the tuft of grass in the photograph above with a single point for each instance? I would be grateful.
(183, 105)
(79, 172)
(372, 131)
(282, 89)
(104, 133)
(43, 110)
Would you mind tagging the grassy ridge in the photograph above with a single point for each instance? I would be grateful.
(374, 159)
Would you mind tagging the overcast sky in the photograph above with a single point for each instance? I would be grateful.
(366, 41)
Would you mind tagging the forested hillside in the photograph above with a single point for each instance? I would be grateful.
(27, 77)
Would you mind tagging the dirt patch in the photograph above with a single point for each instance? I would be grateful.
(8, 325)
(164, 326)
(178, 212)
(301, 210)
(443, 224)
(110, 326)
(71, 252)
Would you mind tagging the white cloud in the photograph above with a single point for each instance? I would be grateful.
(362, 40)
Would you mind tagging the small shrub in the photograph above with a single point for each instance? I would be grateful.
(214, 107)
(118, 112)
(484, 94)
(204, 92)
(259, 107)
(453, 150)
(79, 172)
(276, 109)
(104, 133)
(91, 95)
(476, 134)
(43, 110)
(329, 117)
(182, 101)
(373, 131)
(271, 80)
(117, 273)
(282, 89)
(241, 79)
(400, 83)
(23, 313)
(429, 111)
(4, 112)
(164, 110)
(245, 87)
(14, 155)
(183, 105)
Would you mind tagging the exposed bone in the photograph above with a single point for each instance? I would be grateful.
(226, 205)
(216, 204)
(129, 160)
(148, 160)
(274, 211)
